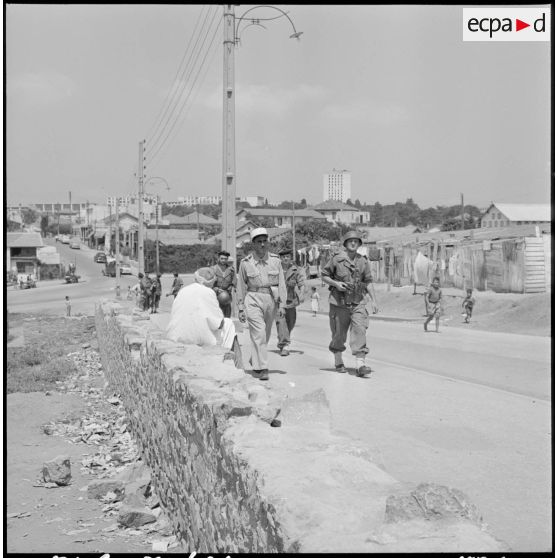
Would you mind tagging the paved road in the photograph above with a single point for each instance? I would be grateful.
(463, 408)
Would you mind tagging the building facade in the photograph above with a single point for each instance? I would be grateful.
(339, 212)
(513, 214)
(337, 185)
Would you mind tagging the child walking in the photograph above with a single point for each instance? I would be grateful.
(68, 306)
(315, 301)
(467, 305)
(433, 299)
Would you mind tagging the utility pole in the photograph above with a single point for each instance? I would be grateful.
(110, 231)
(117, 251)
(462, 214)
(141, 260)
(157, 235)
(229, 172)
(294, 235)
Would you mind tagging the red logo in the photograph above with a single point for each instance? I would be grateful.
(519, 25)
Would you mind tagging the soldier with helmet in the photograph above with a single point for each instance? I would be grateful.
(294, 280)
(261, 295)
(225, 282)
(348, 276)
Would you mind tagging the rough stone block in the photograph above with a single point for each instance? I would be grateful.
(100, 488)
(129, 516)
(58, 470)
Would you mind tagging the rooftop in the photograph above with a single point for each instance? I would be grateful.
(333, 205)
(23, 240)
(524, 211)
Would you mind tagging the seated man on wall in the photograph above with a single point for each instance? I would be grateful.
(197, 319)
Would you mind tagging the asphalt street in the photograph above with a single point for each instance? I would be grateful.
(464, 408)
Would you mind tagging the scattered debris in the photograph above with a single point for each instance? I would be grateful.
(18, 515)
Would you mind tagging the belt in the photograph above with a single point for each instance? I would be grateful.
(259, 290)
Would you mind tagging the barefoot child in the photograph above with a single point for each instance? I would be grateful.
(433, 299)
(315, 301)
(467, 305)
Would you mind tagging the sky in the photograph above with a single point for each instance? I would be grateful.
(391, 93)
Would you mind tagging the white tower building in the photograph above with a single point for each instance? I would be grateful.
(337, 185)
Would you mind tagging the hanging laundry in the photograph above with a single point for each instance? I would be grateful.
(421, 269)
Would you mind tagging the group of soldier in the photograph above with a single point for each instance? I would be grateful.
(270, 286)
(149, 292)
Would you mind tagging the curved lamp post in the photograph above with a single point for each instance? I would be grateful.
(157, 219)
(231, 39)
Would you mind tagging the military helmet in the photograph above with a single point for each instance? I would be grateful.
(352, 234)
(224, 297)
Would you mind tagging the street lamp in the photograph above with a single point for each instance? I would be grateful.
(157, 219)
(231, 39)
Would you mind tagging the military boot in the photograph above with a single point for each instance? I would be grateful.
(339, 365)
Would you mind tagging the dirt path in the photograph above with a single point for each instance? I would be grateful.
(44, 425)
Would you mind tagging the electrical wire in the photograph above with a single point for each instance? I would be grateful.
(176, 81)
(203, 65)
(194, 57)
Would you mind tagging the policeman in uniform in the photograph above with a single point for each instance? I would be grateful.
(294, 280)
(225, 282)
(261, 294)
(348, 276)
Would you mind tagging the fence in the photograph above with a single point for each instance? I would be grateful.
(518, 265)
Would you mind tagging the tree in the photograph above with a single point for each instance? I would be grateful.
(357, 203)
(303, 203)
(44, 224)
(28, 215)
(349, 202)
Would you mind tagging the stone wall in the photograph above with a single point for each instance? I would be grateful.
(229, 481)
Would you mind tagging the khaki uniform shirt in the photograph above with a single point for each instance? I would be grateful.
(355, 272)
(255, 273)
(225, 279)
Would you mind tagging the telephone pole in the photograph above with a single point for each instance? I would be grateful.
(141, 260)
(117, 250)
(294, 236)
(229, 172)
(462, 214)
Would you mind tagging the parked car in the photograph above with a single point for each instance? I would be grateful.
(65, 239)
(75, 244)
(125, 269)
(100, 257)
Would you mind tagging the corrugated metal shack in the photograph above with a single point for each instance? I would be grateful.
(515, 259)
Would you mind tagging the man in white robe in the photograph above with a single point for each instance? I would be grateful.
(197, 319)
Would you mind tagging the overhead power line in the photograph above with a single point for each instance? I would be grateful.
(172, 113)
(203, 65)
(171, 92)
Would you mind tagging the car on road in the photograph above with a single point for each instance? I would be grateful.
(65, 239)
(125, 269)
(75, 244)
(100, 257)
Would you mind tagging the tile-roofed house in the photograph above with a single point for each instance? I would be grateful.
(339, 212)
(512, 214)
(190, 219)
(280, 217)
(21, 252)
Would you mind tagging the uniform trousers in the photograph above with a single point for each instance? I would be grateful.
(343, 318)
(284, 327)
(226, 309)
(260, 313)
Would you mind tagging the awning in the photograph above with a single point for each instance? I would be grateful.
(99, 235)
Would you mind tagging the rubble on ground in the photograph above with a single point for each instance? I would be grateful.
(122, 482)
